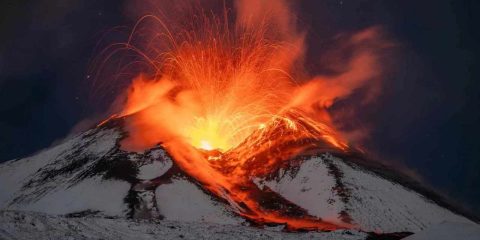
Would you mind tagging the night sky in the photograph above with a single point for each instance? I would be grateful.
(426, 119)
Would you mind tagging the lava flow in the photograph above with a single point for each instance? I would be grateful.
(234, 83)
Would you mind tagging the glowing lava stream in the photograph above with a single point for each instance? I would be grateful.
(235, 188)
(213, 85)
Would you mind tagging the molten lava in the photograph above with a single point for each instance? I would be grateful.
(239, 89)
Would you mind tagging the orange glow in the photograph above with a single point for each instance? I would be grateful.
(239, 89)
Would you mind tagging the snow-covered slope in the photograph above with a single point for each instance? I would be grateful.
(59, 180)
(91, 176)
(36, 226)
(336, 190)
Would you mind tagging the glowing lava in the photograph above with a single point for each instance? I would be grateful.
(240, 89)
(204, 144)
(208, 134)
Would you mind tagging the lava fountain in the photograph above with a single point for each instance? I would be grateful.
(218, 89)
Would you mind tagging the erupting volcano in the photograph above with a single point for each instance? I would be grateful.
(217, 91)
(218, 118)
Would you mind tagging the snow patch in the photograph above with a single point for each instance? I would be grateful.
(310, 188)
(93, 194)
(154, 169)
(184, 201)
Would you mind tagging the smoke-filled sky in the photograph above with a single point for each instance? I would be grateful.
(425, 119)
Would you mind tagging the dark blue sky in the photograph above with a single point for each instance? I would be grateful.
(427, 118)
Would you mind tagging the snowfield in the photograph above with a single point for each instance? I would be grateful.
(36, 226)
(329, 188)
(184, 201)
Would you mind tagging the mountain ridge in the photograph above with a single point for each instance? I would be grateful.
(90, 175)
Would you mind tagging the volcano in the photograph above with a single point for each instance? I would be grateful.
(218, 126)
(90, 176)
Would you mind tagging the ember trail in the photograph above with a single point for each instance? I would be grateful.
(234, 83)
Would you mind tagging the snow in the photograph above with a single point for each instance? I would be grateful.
(57, 195)
(13, 173)
(311, 189)
(154, 169)
(381, 205)
(104, 141)
(184, 201)
(93, 194)
(159, 153)
(374, 203)
(449, 231)
(36, 226)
